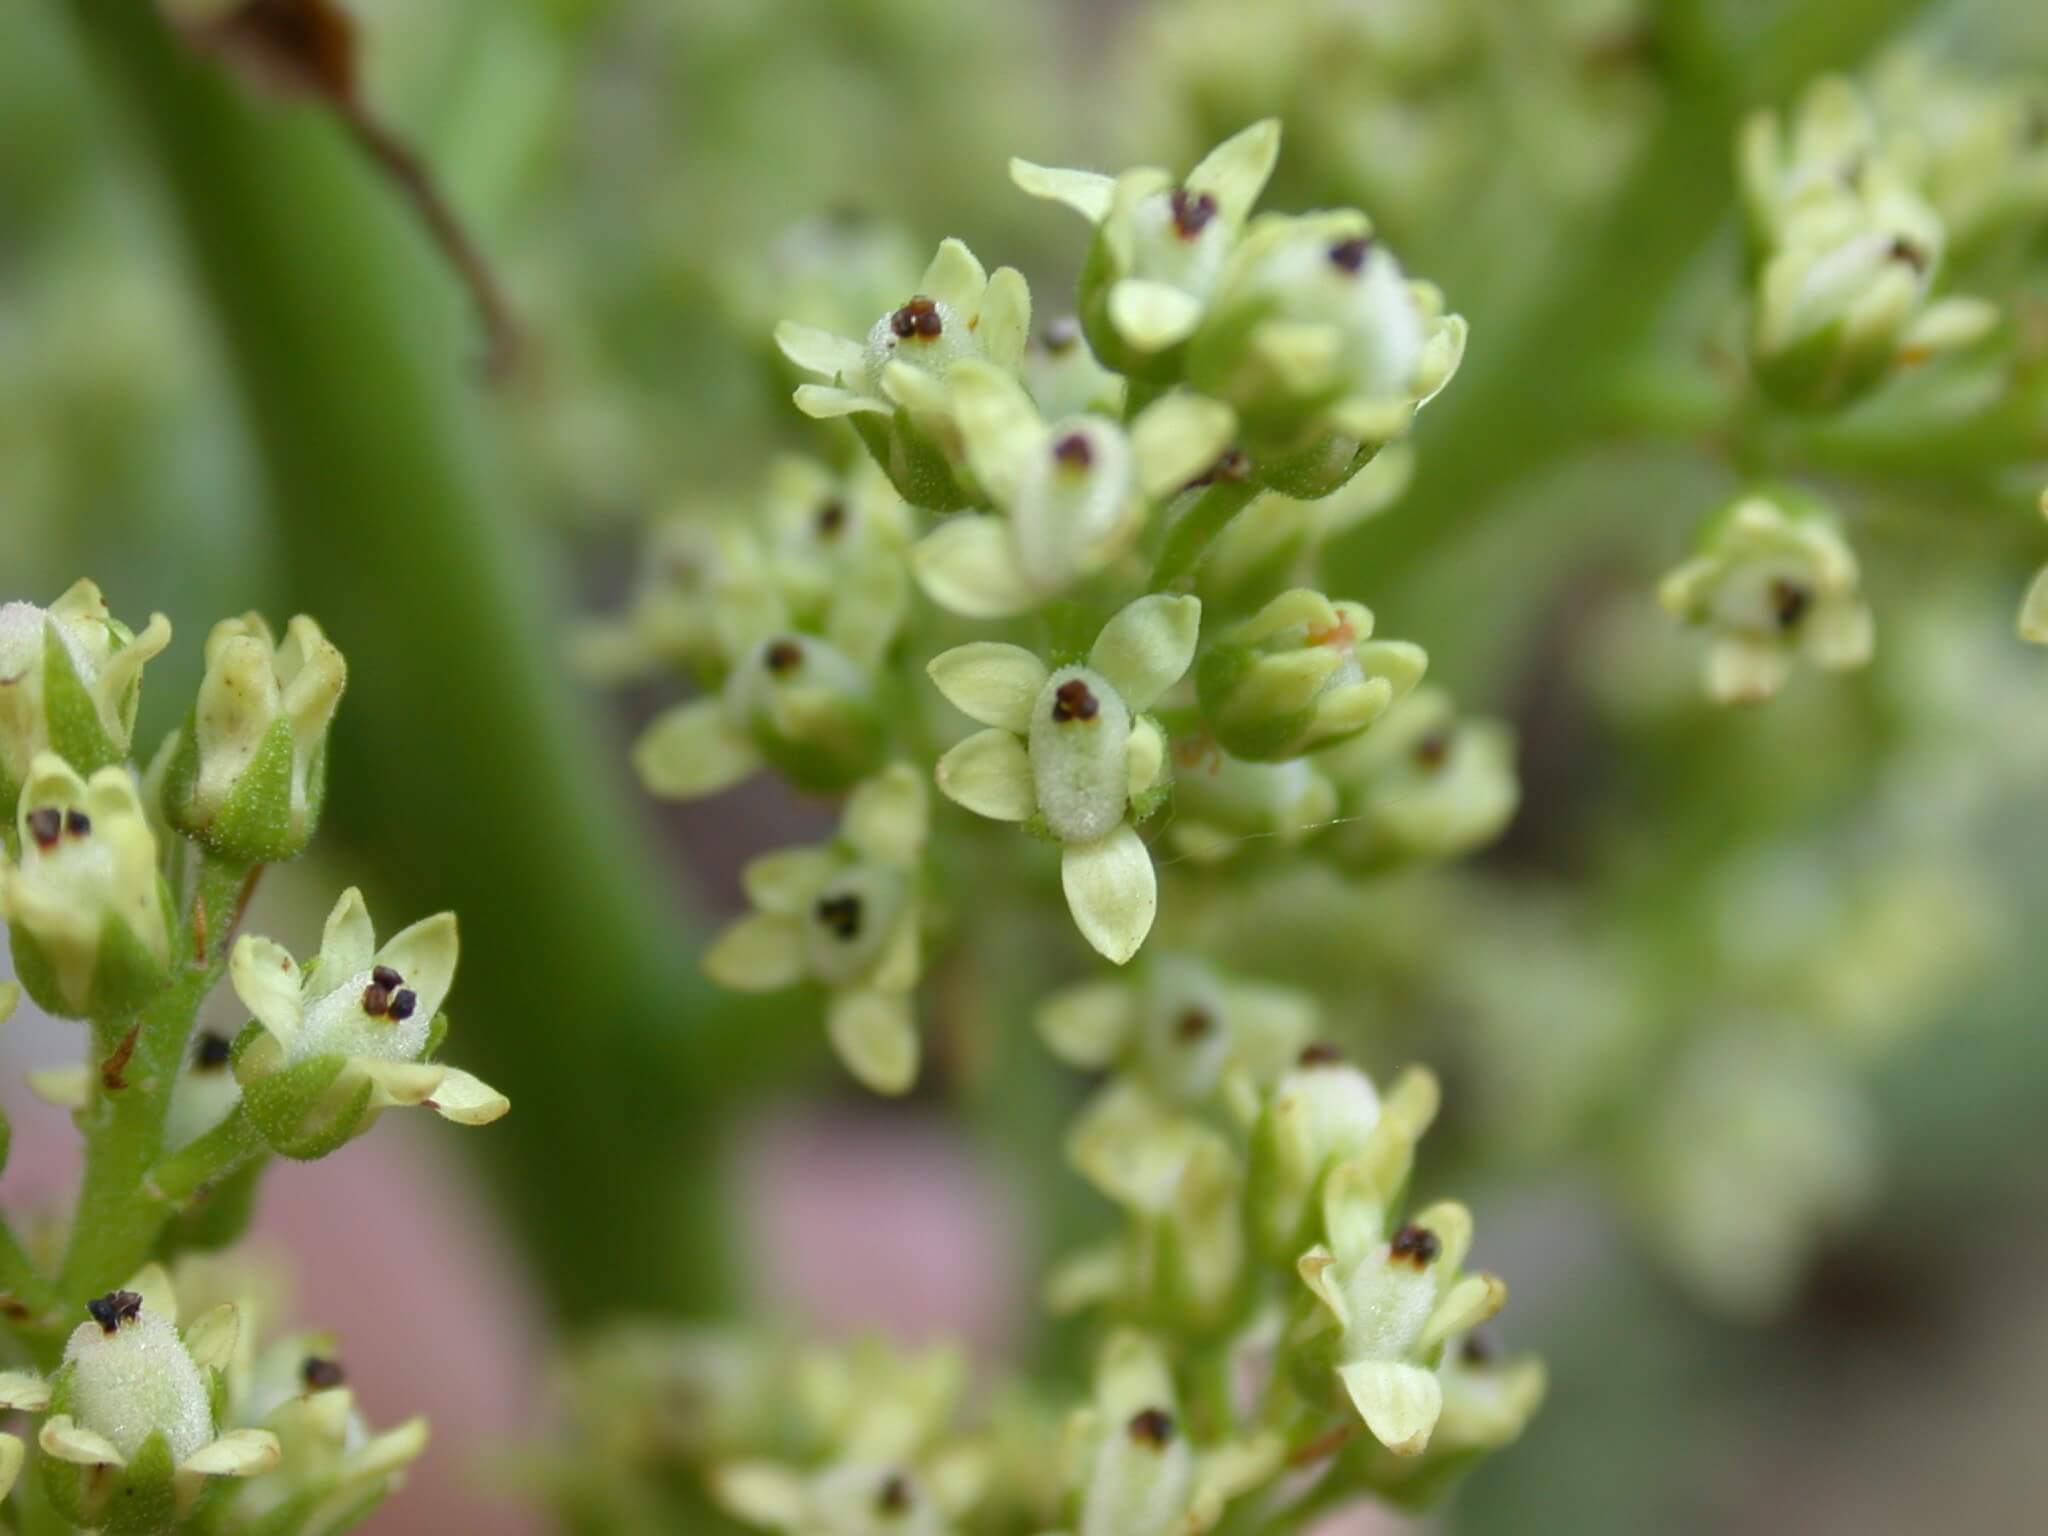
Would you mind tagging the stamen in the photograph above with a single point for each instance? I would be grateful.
(1319, 1053)
(1192, 211)
(1194, 1024)
(113, 1309)
(1349, 255)
(784, 656)
(387, 978)
(1153, 1427)
(46, 825)
(404, 1004)
(322, 1375)
(1072, 701)
(920, 318)
(376, 1000)
(894, 1496)
(831, 518)
(1432, 750)
(77, 823)
(1073, 451)
(211, 1051)
(1789, 602)
(841, 914)
(1062, 334)
(1417, 1245)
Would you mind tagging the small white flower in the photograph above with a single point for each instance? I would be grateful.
(1072, 749)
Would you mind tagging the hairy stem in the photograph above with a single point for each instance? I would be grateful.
(1188, 540)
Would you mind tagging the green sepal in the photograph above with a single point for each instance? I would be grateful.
(181, 780)
(303, 1111)
(255, 824)
(125, 975)
(1320, 469)
(1417, 1484)
(326, 1511)
(827, 767)
(216, 1392)
(37, 976)
(139, 1499)
(10, 810)
(437, 1034)
(1254, 737)
(77, 734)
(915, 465)
(1821, 373)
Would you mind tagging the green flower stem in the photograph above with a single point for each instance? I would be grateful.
(461, 764)
(220, 1154)
(1531, 392)
(1188, 540)
(116, 1224)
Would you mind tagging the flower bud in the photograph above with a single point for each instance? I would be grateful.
(248, 772)
(88, 914)
(70, 676)
(892, 387)
(1272, 545)
(1774, 580)
(1975, 146)
(1226, 808)
(1142, 1478)
(1423, 784)
(1323, 347)
(1299, 675)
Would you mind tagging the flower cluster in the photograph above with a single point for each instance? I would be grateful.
(122, 893)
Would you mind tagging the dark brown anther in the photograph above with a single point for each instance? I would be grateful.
(1192, 211)
(1476, 1350)
(1789, 602)
(321, 1375)
(1072, 701)
(1349, 255)
(1193, 1024)
(893, 1497)
(841, 914)
(376, 1000)
(1432, 750)
(387, 978)
(1417, 1245)
(113, 1309)
(404, 1003)
(920, 317)
(1319, 1053)
(784, 656)
(1232, 468)
(46, 825)
(1153, 1427)
(831, 519)
(1073, 452)
(1905, 250)
(211, 1050)
(77, 823)
(1062, 334)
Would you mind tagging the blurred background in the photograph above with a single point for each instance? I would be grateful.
(1740, 1024)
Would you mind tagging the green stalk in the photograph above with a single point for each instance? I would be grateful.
(1532, 391)
(462, 767)
(115, 1226)
(1188, 540)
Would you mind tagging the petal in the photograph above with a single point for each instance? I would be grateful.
(1145, 758)
(2033, 623)
(1466, 1305)
(1841, 635)
(1946, 325)
(267, 980)
(1112, 891)
(761, 1493)
(819, 351)
(990, 774)
(347, 942)
(1177, 437)
(1001, 426)
(398, 1084)
(788, 880)
(397, 1447)
(1005, 319)
(968, 565)
(210, 1341)
(63, 1439)
(65, 1087)
(954, 278)
(1147, 647)
(1742, 671)
(874, 1037)
(1086, 192)
(692, 750)
(467, 1099)
(990, 682)
(238, 1453)
(1235, 172)
(888, 816)
(1399, 1403)
(23, 1391)
(12, 1451)
(761, 952)
(823, 402)
(1452, 1224)
(1088, 1025)
(1153, 316)
(1318, 1271)
(1302, 354)
(425, 955)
